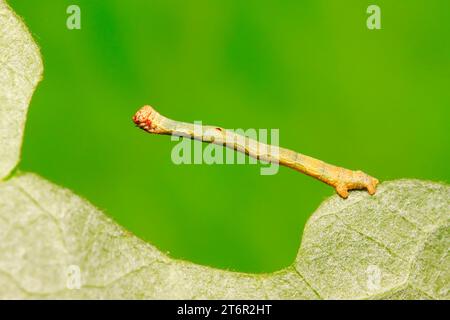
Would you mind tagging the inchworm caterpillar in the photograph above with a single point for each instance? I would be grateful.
(341, 179)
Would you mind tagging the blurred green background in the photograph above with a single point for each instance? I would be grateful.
(375, 100)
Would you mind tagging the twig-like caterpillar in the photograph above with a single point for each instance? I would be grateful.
(341, 179)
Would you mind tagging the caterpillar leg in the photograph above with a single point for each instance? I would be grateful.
(355, 180)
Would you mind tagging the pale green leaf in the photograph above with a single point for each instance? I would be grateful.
(400, 236)
(20, 71)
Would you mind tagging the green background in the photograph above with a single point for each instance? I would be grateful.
(371, 100)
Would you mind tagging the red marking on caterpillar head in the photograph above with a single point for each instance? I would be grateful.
(142, 117)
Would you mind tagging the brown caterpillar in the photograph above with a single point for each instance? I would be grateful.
(340, 178)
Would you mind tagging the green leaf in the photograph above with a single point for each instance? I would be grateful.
(392, 245)
(401, 233)
(54, 244)
(20, 71)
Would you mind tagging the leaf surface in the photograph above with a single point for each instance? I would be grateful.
(20, 71)
(392, 245)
